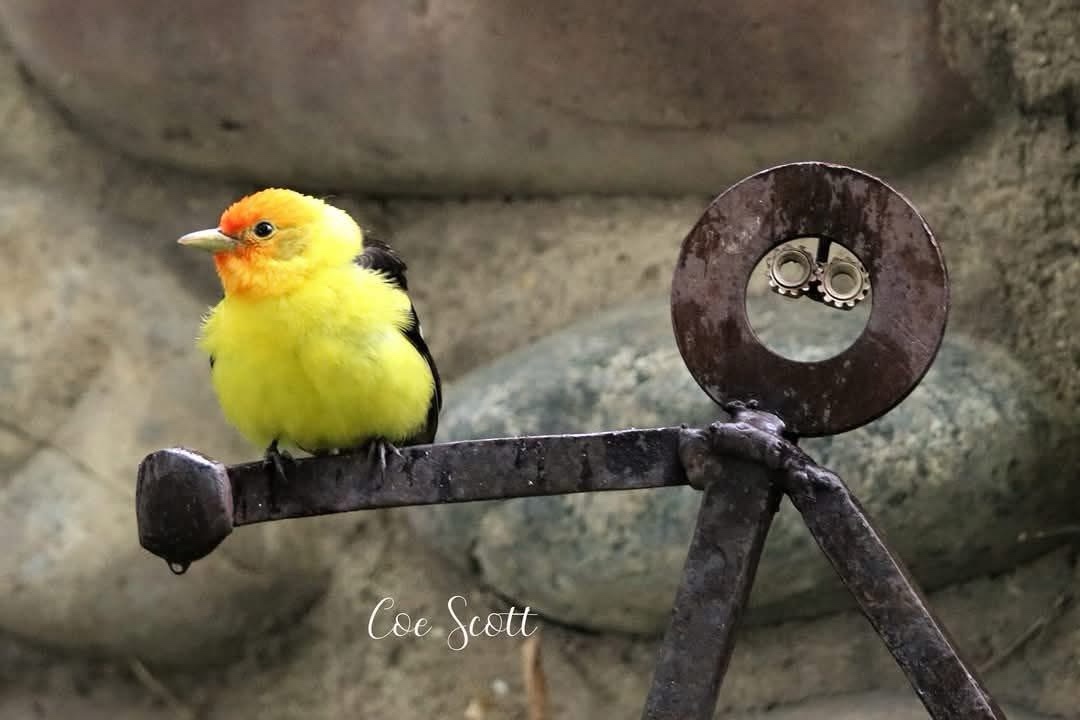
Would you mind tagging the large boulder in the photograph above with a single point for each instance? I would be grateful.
(972, 459)
(500, 97)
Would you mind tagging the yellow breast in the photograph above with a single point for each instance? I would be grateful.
(324, 366)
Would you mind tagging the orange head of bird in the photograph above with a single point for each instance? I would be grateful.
(268, 242)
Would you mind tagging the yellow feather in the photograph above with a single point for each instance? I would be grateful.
(317, 357)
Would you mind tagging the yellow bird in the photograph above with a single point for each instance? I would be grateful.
(316, 344)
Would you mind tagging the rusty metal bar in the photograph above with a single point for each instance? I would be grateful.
(739, 502)
(462, 472)
(890, 599)
(187, 504)
(875, 576)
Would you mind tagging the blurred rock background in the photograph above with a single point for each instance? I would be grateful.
(538, 166)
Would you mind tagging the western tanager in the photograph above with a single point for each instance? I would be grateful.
(316, 344)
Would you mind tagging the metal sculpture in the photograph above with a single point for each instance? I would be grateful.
(743, 464)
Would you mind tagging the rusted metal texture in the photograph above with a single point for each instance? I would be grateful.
(739, 502)
(909, 303)
(876, 577)
(183, 505)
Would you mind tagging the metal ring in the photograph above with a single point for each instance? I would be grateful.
(873, 221)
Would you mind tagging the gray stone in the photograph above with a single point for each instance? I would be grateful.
(497, 97)
(970, 460)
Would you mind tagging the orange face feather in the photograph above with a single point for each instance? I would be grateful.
(269, 243)
(283, 208)
(260, 266)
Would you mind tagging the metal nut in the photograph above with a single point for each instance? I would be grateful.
(791, 270)
(843, 283)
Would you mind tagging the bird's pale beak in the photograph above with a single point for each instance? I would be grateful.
(213, 241)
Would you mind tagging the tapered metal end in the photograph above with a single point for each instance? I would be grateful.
(183, 504)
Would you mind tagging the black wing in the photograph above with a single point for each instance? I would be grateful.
(381, 257)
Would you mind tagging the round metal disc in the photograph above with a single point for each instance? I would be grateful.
(879, 226)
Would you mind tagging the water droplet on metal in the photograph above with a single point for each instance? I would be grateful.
(179, 568)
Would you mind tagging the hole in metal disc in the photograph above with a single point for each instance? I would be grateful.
(799, 328)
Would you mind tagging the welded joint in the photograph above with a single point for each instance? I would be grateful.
(751, 435)
(758, 437)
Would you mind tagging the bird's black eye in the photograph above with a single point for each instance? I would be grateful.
(263, 229)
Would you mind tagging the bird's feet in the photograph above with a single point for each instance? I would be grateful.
(377, 451)
(277, 461)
